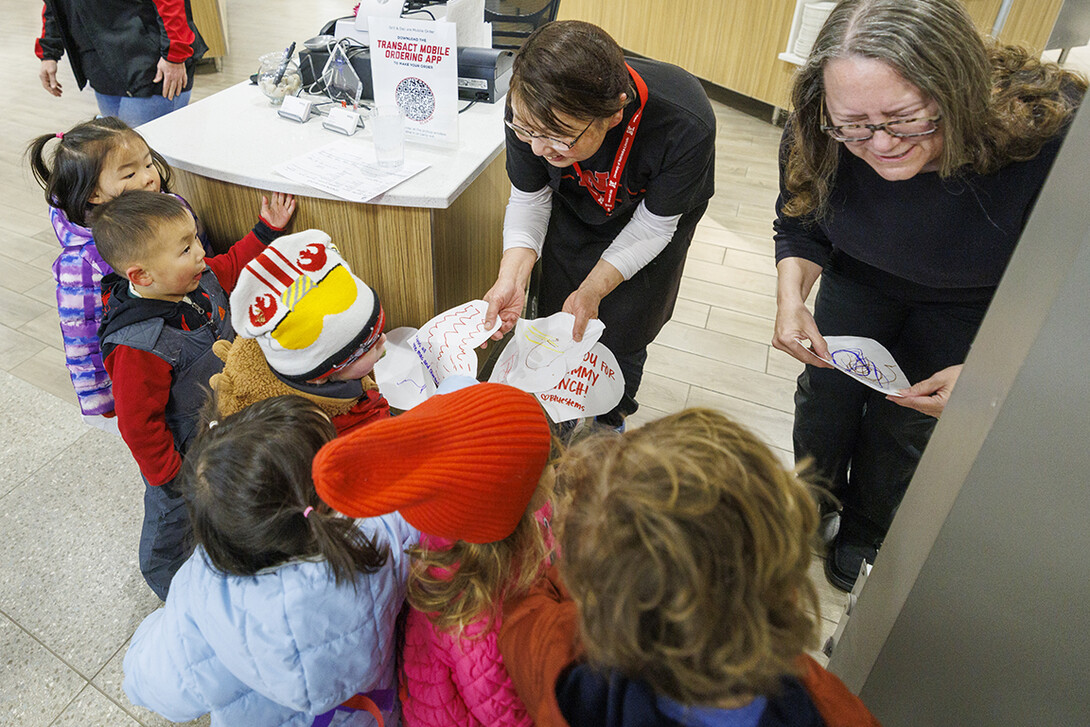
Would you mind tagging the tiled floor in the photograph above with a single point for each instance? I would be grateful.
(70, 498)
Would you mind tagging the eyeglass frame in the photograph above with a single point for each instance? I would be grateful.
(365, 346)
(556, 143)
(874, 128)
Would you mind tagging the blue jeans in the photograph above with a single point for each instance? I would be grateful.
(166, 540)
(135, 110)
(864, 448)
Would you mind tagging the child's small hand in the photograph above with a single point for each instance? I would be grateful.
(278, 212)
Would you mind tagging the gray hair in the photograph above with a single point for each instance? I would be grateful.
(932, 44)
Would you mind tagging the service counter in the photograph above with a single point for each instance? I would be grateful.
(426, 245)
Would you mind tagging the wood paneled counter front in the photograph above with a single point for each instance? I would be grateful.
(428, 244)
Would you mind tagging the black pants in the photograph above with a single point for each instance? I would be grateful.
(635, 311)
(864, 447)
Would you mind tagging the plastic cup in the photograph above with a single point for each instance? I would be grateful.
(388, 128)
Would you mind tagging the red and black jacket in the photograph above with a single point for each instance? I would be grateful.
(115, 45)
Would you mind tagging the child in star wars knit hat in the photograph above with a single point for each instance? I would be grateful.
(307, 326)
(470, 470)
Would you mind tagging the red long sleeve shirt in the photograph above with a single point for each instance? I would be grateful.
(142, 382)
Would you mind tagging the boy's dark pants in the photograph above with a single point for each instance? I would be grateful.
(165, 541)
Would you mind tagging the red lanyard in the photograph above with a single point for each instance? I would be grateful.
(608, 200)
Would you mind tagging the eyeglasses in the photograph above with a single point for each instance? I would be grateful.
(367, 344)
(901, 128)
(528, 136)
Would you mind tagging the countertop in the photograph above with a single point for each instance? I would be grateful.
(236, 136)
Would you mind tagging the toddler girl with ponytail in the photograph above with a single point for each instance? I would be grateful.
(88, 165)
(285, 613)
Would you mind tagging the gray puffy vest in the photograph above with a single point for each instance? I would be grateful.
(190, 355)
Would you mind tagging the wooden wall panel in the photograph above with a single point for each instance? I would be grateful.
(735, 43)
(983, 13)
(1030, 22)
(211, 21)
(468, 238)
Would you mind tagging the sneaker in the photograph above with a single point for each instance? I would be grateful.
(619, 428)
(843, 561)
(829, 527)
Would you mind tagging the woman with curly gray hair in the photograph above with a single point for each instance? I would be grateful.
(909, 166)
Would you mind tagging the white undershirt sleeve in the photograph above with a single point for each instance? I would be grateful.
(644, 237)
(527, 219)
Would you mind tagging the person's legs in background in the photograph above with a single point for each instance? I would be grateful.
(830, 407)
(135, 111)
(890, 442)
(631, 365)
(108, 105)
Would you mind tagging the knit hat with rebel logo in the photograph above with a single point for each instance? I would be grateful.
(306, 309)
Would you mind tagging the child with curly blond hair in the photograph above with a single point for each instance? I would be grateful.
(684, 547)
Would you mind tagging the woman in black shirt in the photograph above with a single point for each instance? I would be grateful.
(909, 167)
(611, 164)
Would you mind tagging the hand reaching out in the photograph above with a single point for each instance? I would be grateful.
(795, 323)
(505, 300)
(583, 304)
(507, 296)
(278, 212)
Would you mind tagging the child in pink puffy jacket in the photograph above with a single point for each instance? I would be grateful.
(470, 470)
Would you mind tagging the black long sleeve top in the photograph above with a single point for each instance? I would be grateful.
(953, 236)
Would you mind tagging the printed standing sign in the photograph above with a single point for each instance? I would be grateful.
(414, 63)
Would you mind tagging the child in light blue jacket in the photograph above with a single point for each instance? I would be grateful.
(286, 610)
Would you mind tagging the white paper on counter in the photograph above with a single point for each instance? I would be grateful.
(592, 387)
(541, 351)
(866, 361)
(416, 361)
(348, 169)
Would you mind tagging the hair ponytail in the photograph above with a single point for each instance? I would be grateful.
(346, 549)
(35, 154)
(70, 176)
(251, 499)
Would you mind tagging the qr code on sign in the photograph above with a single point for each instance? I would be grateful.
(415, 98)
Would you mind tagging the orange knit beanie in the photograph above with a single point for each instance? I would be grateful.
(461, 466)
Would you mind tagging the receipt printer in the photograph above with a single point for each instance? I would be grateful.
(484, 74)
